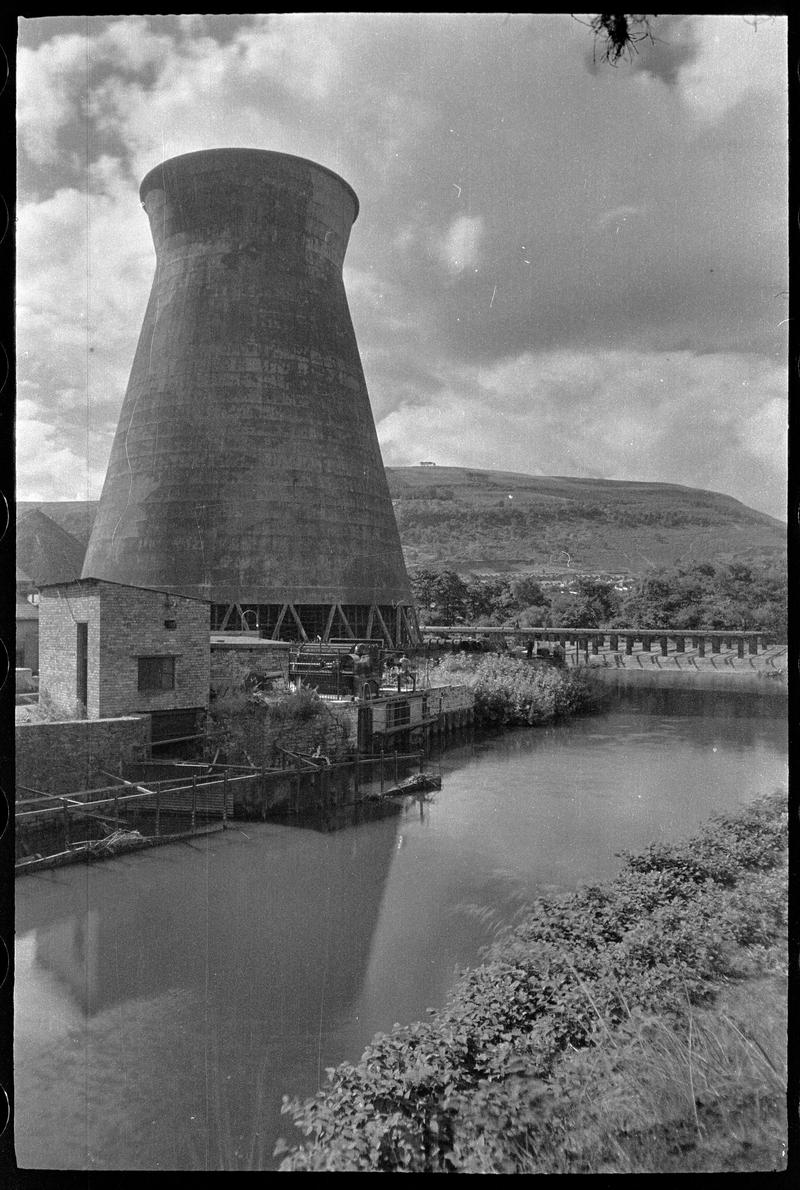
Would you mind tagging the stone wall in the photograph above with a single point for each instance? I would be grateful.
(256, 735)
(260, 656)
(65, 757)
(346, 713)
(333, 735)
(764, 682)
(446, 699)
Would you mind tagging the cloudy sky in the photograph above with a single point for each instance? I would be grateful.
(560, 267)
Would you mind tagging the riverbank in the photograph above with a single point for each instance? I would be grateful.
(769, 685)
(633, 1026)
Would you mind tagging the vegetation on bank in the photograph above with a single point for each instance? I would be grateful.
(510, 692)
(634, 1026)
(250, 722)
(701, 596)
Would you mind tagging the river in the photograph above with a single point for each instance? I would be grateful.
(165, 1001)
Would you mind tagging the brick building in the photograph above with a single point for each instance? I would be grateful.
(122, 650)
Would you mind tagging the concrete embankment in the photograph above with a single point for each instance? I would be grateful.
(759, 680)
(736, 681)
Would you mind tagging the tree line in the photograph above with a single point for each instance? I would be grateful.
(734, 596)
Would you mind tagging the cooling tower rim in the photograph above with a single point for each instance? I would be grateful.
(254, 154)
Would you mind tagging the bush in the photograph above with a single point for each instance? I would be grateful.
(247, 723)
(301, 704)
(492, 1082)
(508, 691)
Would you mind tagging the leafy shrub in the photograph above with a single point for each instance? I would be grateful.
(702, 1093)
(229, 678)
(302, 703)
(247, 723)
(486, 1084)
(508, 691)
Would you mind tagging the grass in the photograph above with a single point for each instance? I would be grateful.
(703, 1093)
(636, 1026)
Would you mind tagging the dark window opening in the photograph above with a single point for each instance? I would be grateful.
(156, 673)
(398, 714)
(82, 674)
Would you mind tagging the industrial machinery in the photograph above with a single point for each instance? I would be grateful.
(348, 669)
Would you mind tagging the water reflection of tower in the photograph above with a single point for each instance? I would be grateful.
(257, 929)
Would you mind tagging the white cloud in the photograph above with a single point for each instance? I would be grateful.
(672, 418)
(458, 249)
(80, 302)
(736, 54)
(47, 86)
(430, 118)
(50, 467)
(300, 50)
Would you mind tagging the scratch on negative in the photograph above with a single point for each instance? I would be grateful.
(494, 291)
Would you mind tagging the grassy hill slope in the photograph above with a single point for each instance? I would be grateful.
(500, 521)
(486, 521)
(74, 516)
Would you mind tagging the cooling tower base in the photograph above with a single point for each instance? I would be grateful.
(394, 624)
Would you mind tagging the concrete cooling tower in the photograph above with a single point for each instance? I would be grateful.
(246, 467)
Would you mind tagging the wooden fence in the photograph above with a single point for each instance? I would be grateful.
(53, 829)
(299, 785)
(144, 809)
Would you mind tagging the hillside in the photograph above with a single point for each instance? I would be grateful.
(76, 517)
(498, 521)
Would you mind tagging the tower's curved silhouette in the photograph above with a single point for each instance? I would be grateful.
(246, 466)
